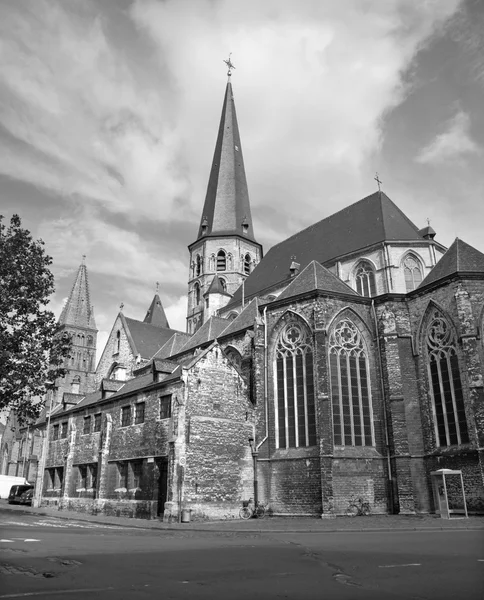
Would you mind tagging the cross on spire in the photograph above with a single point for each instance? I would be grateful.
(379, 182)
(157, 284)
(229, 64)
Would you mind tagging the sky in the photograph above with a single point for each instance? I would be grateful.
(109, 113)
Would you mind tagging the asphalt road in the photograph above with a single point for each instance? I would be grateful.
(44, 558)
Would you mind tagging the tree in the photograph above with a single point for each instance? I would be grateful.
(32, 352)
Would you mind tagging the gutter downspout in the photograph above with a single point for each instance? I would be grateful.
(266, 407)
(382, 385)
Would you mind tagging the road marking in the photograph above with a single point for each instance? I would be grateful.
(9, 541)
(31, 540)
(392, 566)
(57, 592)
(478, 560)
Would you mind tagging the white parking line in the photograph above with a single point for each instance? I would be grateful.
(392, 566)
(7, 541)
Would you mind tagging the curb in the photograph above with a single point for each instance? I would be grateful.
(214, 529)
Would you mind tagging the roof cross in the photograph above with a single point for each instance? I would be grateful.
(157, 286)
(229, 64)
(121, 306)
(379, 182)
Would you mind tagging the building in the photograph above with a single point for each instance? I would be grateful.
(347, 360)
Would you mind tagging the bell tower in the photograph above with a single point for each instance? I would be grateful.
(225, 251)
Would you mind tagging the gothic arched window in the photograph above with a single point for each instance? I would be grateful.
(365, 280)
(118, 341)
(247, 264)
(223, 284)
(445, 385)
(350, 387)
(234, 357)
(221, 261)
(196, 290)
(198, 265)
(413, 273)
(294, 388)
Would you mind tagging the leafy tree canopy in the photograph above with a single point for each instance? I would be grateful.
(31, 354)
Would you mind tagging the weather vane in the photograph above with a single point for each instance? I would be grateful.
(229, 64)
(379, 182)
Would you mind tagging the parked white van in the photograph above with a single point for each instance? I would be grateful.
(6, 482)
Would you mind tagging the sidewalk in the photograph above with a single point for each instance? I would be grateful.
(269, 524)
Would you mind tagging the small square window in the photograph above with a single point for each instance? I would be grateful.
(125, 416)
(139, 415)
(64, 430)
(97, 422)
(55, 432)
(87, 425)
(165, 407)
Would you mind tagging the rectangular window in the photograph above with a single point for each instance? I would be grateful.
(123, 475)
(87, 425)
(82, 476)
(125, 416)
(165, 407)
(139, 416)
(137, 470)
(55, 432)
(97, 422)
(64, 430)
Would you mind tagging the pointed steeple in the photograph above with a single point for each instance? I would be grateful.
(227, 209)
(156, 314)
(77, 310)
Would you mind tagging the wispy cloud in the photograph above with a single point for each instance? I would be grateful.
(453, 143)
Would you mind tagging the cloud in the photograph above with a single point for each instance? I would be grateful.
(452, 144)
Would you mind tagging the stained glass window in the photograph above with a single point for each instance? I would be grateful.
(350, 387)
(413, 273)
(294, 388)
(365, 280)
(449, 417)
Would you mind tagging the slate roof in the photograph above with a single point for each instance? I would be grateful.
(216, 287)
(111, 385)
(372, 220)
(173, 345)
(78, 310)
(156, 314)
(227, 204)
(459, 258)
(315, 277)
(245, 319)
(210, 330)
(147, 338)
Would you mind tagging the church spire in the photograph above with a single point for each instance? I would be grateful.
(227, 209)
(156, 314)
(77, 310)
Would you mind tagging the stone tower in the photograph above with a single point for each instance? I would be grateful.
(225, 247)
(77, 319)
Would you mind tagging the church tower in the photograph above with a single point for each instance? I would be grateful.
(77, 319)
(225, 251)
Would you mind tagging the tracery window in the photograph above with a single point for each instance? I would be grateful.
(350, 387)
(365, 280)
(445, 385)
(247, 264)
(198, 265)
(294, 388)
(413, 273)
(221, 261)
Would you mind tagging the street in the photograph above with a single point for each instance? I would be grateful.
(44, 557)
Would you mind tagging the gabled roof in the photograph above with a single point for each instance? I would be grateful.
(156, 314)
(173, 345)
(147, 339)
(459, 258)
(216, 287)
(315, 277)
(245, 320)
(210, 330)
(372, 220)
(77, 310)
(111, 385)
(227, 208)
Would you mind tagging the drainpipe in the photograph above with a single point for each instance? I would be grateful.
(45, 445)
(385, 422)
(266, 407)
(254, 459)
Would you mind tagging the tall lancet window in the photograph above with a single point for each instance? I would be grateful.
(365, 280)
(350, 387)
(221, 261)
(413, 273)
(294, 388)
(449, 417)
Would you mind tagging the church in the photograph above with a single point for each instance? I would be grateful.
(348, 360)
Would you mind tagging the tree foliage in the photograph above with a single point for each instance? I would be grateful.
(32, 352)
